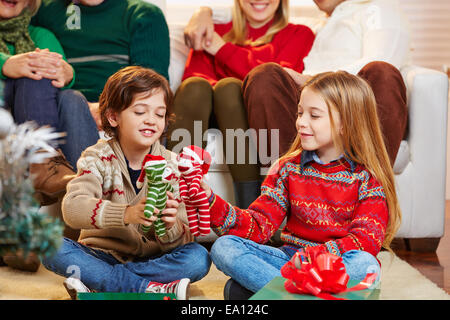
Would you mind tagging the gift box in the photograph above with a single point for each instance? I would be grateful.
(275, 290)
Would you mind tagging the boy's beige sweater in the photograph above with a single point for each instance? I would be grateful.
(97, 198)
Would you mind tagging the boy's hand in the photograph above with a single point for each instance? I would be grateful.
(135, 214)
(169, 214)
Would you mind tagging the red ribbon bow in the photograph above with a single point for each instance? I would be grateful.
(320, 275)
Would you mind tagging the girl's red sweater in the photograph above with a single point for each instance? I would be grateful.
(334, 207)
(288, 48)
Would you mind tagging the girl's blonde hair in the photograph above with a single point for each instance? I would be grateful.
(361, 138)
(238, 33)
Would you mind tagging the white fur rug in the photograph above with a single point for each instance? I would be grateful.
(399, 281)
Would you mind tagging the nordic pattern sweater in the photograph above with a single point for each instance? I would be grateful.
(334, 207)
(96, 200)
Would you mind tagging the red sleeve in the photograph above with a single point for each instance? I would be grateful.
(201, 64)
(263, 217)
(288, 48)
(368, 225)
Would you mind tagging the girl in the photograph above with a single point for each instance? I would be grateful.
(259, 32)
(113, 254)
(335, 187)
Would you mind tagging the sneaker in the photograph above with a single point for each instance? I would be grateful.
(179, 287)
(234, 291)
(50, 178)
(75, 286)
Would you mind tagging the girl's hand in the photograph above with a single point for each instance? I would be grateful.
(206, 188)
(216, 43)
(169, 214)
(135, 214)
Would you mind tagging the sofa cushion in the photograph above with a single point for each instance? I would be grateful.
(402, 159)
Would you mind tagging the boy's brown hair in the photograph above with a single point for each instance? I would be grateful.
(122, 87)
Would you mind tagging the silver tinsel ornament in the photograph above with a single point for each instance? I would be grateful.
(23, 228)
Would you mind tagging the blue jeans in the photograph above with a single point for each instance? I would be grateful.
(101, 272)
(32, 100)
(76, 120)
(65, 110)
(253, 265)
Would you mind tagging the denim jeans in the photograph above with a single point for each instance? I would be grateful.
(253, 265)
(76, 120)
(32, 100)
(101, 272)
(65, 110)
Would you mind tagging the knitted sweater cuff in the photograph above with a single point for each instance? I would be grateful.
(172, 234)
(112, 215)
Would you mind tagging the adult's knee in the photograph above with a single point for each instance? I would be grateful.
(380, 71)
(263, 73)
(193, 98)
(228, 97)
(70, 100)
(35, 86)
(194, 88)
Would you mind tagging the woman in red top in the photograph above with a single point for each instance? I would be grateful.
(259, 33)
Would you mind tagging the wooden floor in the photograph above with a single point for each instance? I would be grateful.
(436, 265)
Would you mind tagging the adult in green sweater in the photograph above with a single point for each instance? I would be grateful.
(99, 37)
(32, 64)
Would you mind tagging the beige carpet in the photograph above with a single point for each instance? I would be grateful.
(399, 281)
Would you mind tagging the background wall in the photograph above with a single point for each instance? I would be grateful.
(430, 30)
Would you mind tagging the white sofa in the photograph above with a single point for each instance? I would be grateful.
(420, 166)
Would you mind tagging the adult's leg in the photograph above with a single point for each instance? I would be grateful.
(390, 93)
(250, 264)
(76, 120)
(271, 98)
(32, 100)
(192, 102)
(239, 146)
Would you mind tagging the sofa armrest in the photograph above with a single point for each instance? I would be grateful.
(427, 140)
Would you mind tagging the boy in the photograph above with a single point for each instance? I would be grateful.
(113, 254)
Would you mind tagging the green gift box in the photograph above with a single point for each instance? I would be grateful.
(275, 290)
